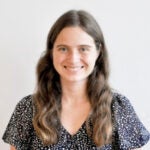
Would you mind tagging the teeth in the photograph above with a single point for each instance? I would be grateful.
(73, 68)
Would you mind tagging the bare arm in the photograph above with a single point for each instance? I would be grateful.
(12, 148)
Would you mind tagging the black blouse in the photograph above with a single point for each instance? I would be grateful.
(128, 131)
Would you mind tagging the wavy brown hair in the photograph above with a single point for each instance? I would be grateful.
(47, 98)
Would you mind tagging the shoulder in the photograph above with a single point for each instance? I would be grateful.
(121, 102)
(20, 128)
(26, 101)
(128, 128)
(25, 105)
(119, 98)
(122, 109)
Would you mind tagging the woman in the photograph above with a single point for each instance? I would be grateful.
(73, 106)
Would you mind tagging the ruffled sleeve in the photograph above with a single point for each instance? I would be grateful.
(130, 132)
(18, 129)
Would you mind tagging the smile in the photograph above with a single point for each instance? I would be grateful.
(73, 68)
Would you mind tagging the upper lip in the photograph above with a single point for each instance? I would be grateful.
(73, 66)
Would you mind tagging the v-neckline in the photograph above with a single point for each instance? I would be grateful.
(77, 132)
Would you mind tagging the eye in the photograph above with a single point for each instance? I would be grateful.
(63, 49)
(83, 49)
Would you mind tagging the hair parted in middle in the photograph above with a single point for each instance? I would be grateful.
(47, 97)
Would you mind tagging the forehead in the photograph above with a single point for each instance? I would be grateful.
(73, 35)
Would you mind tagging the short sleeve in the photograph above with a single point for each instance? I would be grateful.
(130, 131)
(18, 129)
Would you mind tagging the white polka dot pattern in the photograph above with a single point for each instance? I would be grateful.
(128, 131)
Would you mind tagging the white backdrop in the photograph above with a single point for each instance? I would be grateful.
(23, 30)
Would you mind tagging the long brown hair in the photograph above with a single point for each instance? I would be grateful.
(47, 99)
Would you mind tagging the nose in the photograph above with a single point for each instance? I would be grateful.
(74, 56)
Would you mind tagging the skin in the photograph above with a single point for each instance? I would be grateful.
(12, 148)
(74, 57)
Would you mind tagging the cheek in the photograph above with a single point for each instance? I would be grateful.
(92, 58)
(96, 56)
(55, 56)
(57, 60)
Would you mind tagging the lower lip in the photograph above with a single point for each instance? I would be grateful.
(74, 69)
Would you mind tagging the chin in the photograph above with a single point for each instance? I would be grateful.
(74, 79)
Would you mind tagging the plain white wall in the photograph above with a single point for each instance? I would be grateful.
(23, 30)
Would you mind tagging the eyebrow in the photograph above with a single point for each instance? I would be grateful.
(82, 45)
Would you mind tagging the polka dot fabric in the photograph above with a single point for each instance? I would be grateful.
(128, 131)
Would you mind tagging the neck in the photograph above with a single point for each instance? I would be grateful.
(74, 92)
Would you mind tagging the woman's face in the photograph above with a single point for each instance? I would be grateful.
(74, 54)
